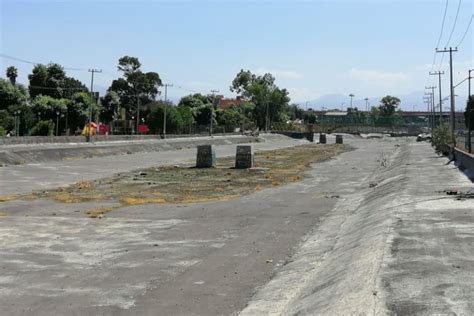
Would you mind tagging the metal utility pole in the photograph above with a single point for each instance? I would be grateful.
(453, 122)
(212, 109)
(439, 73)
(469, 127)
(166, 100)
(88, 137)
(433, 112)
(367, 110)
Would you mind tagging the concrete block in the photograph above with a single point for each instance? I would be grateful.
(339, 139)
(206, 156)
(322, 138)
(244, 157)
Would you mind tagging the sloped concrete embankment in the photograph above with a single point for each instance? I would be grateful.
(30, 154)
(336, 269)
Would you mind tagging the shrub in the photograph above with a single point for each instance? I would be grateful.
(2, 131)
(440, 139)
(43, 128)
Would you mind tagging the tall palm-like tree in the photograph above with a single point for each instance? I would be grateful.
(12, 73)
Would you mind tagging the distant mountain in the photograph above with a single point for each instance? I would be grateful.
(409, 102)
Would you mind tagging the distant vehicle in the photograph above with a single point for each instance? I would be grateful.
(423, 137)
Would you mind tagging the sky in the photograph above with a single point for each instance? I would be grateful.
(317, 50)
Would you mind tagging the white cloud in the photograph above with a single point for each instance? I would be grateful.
(279, 74)
(378, 78)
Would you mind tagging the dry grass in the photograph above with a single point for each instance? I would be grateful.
(9, 197)
(142, 200)
(83, 185)
(98, 212)
(200, 199)
(184, 185)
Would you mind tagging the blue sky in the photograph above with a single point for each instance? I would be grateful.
(314, 48)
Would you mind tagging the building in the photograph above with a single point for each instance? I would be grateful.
(223, 102)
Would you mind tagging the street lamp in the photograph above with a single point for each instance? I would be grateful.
(352, 96)
(57, 122)
(17, 122)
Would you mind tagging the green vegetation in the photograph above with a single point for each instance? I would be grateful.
(440, 139)
(43, 128)
(52, 96)
(469, 108)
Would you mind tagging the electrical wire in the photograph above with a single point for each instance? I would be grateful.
(467, 30)
(442, 25)
(35, 63)
(428, 82)
(454, 25)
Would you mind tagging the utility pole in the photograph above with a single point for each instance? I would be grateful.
(469, 127)
(166, 104)
(427, 101)
(439, 73)
(212, 109)
(138, 114)
(352, 96)
(433, 113)
(366, 110)
(88, 137)
(453, 122)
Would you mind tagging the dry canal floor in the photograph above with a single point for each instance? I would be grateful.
(369, 231)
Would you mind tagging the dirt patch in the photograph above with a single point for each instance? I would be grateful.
(185, 184)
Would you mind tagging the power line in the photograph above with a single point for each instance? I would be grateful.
(439, 39)
(454, 25)
(467, 30)
(442, 25)
(35, 63)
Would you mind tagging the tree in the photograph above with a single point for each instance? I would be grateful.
(155, 119)
(12, 99)
(110, 103)
(187, 115)
(388, 106)
(135, 87)
(46, 107)
(262, 91)
(77, 110)
(469, 108)
(12, 73)
(310, 117)
(51, 80)
(11, 94)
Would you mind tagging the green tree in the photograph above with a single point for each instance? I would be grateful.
(12, 74)
(135, 87)
(51, 80)
(109, 107)
(388, 106)
(187, 115)
(155, 119)
(46, 107)
(309, 117)
(262, 91)
(43, 128)
(77, 110)
(11, 94)
(469, 108)
(12, 99)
